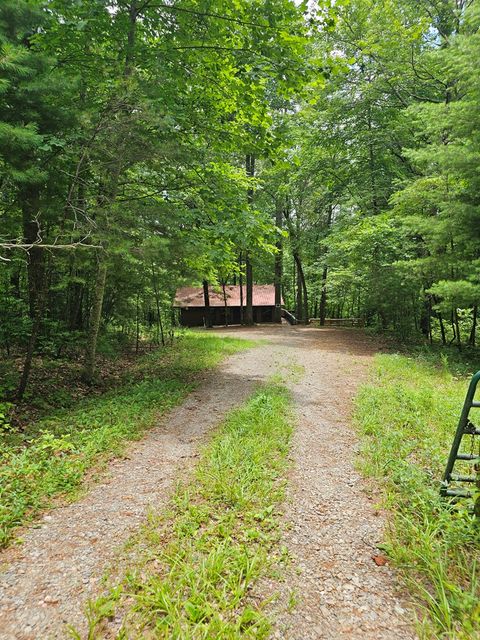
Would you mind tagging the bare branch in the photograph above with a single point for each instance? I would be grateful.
(8, 245)
(218, 16)
(27, 247)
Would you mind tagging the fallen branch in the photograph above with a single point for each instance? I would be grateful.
(40, 245)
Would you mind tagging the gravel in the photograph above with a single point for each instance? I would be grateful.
(46, 581)
(333, 526)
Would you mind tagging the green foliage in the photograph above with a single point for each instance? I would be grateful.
(5, 408)
(195, 565)
(455, 294)
(407, 417)
(62, 447)
(381, 178)
(123, 132)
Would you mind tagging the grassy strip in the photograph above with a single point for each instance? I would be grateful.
(196, 565)
(63, 447)
(407, 416)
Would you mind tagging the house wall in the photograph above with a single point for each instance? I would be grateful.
(195, 316)
(192, 317)
(264, 314)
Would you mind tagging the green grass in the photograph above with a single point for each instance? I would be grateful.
(194, 566)
(407, 415)
(64, 446)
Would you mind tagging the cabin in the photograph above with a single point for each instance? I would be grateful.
(191, 304)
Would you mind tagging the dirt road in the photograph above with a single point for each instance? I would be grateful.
(334, 528)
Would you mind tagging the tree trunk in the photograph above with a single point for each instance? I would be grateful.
(442, 328)
(454, 333)
(94, 324)
(294, 283)
(249, 285)
(37, 293)
(430, 334)
(161, 335)
(208, 310)
(240, 284)
(457, 329)
(278, 266)
(131, 39)
(137, 322)
(306, 316)
(27, 364)
(160, 323)
(250, 171)
(36, 255)
(106, 199)
(473, 332)
(371, 164)
(323, 297)
(302, 294)
(299, 300)
(171, 331)
(225, 303)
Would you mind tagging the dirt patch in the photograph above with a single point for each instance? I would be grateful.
(57, 383)
(335, 528)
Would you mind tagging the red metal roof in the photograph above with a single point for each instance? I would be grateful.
(263, 296)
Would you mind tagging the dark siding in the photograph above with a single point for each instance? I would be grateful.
(192, 317)
(195, 316)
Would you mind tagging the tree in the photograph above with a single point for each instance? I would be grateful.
(125, 122)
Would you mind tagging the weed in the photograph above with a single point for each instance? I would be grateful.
(5, 408)
(64, 446)
(196, 564)
(407, 416)
(292, 600)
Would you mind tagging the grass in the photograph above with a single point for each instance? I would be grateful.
(61, 448)
(407, 415)
(195, 566)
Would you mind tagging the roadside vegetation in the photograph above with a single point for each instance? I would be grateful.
(331, 148)
(50, 456)
(195, 565)
(407, 415)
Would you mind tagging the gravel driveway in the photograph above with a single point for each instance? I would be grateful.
(334, 527)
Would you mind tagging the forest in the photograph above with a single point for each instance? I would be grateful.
(330, 148)
(145, 145)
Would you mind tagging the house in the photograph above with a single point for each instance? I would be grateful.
(191, 303)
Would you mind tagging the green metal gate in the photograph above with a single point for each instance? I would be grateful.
(462, 474)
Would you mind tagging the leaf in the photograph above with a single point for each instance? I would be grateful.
(194, 612)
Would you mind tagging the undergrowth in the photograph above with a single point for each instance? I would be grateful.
(407, 415)
(195, 565)
(62, 447)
